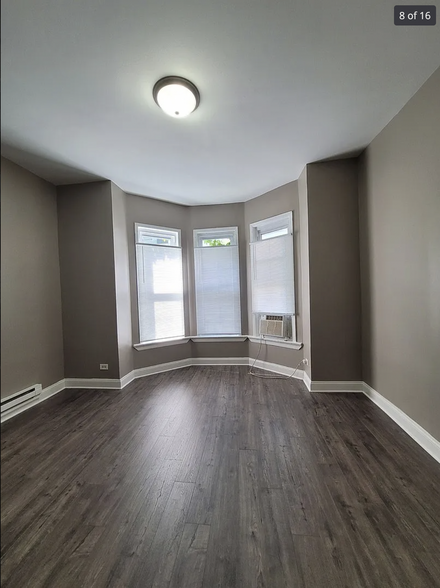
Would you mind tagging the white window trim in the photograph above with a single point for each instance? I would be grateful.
(271, 224)
(172, 340)
(166, 230)
(217, 233)
(276, 342)
(257, 230)
(161, 343)
(218, 338)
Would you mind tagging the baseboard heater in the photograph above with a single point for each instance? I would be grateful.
(21, 398)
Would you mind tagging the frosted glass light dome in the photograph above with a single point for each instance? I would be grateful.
(176, 96)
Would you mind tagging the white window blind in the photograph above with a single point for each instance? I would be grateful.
(272, 275)
(217, 281)
(160, 286)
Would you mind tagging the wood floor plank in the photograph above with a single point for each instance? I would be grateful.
(250, 525)
(374, 477)
(280, 557)
(221, 570)
(202, 503)
(190, 562)
(209, 477)
(156, 566)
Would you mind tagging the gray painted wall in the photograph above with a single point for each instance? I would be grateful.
(400, 252)
(158, 355)
(334, 270)
(160, 213)
(222, 215)
(122, 280)
(31, 333)
(303, 259)
(163, 214)
(88, 286)
(232, 349)
(275, 202)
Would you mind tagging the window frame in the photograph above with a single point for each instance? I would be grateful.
(167, 232)
(269, 225)
(199, 235)
(257, 231)
(176, 235)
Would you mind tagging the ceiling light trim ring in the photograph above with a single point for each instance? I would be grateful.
(170, 80)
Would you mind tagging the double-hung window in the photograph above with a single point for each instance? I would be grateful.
(159, 283)
(272, 274)
(217, 281)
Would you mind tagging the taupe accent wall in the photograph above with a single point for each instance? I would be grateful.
(282, 199)
(140, 209)
(145, 210)
(156, 212)
(31, 334)
(221, 215)
(334, 271)
(160, 355)
(88, 285)
(122, 280)
(303, 260)
(400, 252)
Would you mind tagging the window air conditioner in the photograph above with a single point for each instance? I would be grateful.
(275, 325)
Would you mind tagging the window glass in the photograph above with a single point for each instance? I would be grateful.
(217, 281)
(272, 270)
(159, 283)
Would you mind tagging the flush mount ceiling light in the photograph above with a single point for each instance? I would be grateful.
(176, 96)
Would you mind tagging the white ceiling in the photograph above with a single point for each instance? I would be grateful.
(282, 83)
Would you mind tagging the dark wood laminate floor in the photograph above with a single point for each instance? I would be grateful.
(207, 477)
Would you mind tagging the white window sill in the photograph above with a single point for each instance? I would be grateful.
(218, 338)
(160, 343)
(276, 342)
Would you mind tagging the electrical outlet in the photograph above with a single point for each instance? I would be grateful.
(305, 361)
(103, 366)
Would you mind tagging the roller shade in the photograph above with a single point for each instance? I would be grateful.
(217, 283)
(160, 292)
(272, 276)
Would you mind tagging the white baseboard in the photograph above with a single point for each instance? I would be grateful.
(277, 368)
(413, 429)
(307, 381)
(220, 361)
(53, 389)
(160, 368)
(91, 383)
(127, 379)
(316, 386)
(182, 363)
(44, 395)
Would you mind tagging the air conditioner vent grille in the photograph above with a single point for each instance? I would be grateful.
(274, 317)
